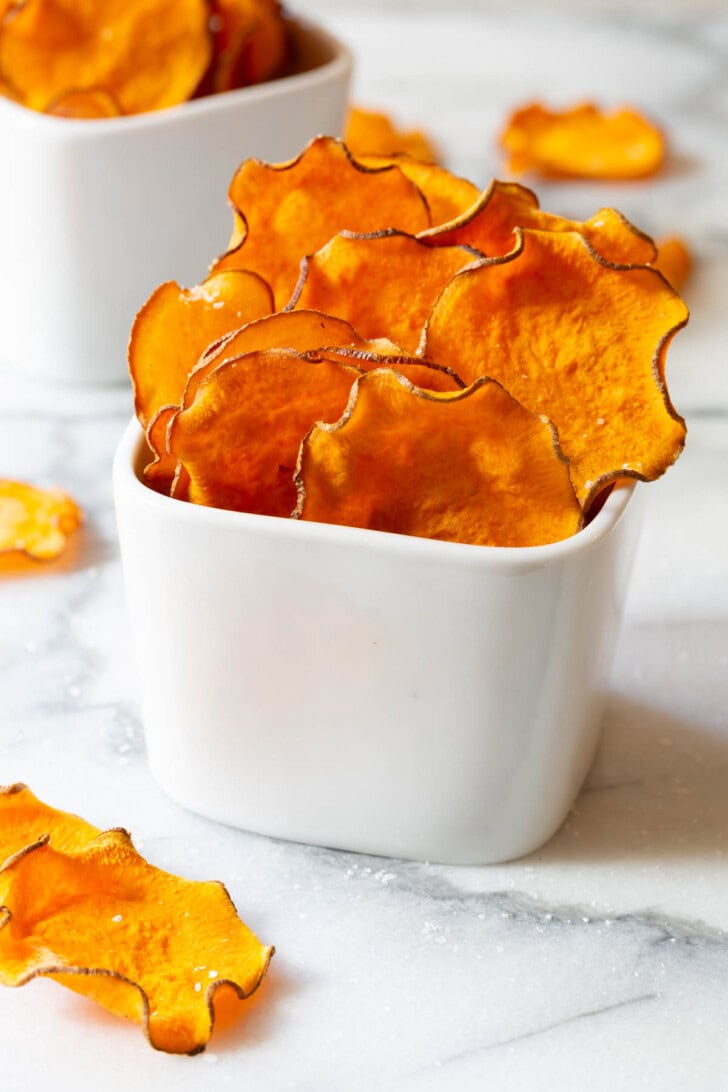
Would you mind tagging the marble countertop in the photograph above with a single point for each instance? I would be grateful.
(600, 961)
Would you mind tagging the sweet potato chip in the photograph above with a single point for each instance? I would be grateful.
(368, 132)
(473, 466)
(176, 324)
(582, 142)
(384, 284)
(249, 42)
(239, 439)
(25, 820)
(285, 211)
(36, 522)
(674, 260)
(576, 339)
(143, 943)
(489, 225)
(146, 59)
(91, 104)
(446, 194)
(160, 472)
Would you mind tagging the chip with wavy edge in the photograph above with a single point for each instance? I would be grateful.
(472, 466)
(176, 324)
(143, 943)
(370, 132)
(489, 225)
(582, 142)
(36, 522)
(147, 57)
(576, 339)
(285, 211)
(384, 284)
(24, 820)
(447, 195)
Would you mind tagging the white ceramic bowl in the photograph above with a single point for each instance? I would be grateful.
(365, 690)
(95, 214)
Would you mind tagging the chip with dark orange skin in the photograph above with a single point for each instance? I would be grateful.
(384, 284)
(147, 63)
(674, 260)
(472, 466)
(239, 438)
(160, 472)
(146, 945)
(582, 142)
(285, 211)
(577, 340)
(36, 522)
(24, 820)
(90, 104)
(447, 195)
(249, 41)
(368, 132)
(489, 224)
(176, 324)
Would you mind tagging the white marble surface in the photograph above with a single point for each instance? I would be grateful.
(602, 960)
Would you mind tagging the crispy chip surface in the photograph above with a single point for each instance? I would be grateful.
(447, 195)
(239, 438)
(577, 340)
(489, 226)
(368, 132)
(384, 284)
(24, 820)
(36, 522)
(674, 260)
(176, 324)
(288, 210)
(146, 56)
(472, 467)
(582, 142)
(145, 944)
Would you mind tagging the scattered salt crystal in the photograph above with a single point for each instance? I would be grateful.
(198, 987)
(117, 917)
(212, 974)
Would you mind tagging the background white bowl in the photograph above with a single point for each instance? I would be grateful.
(365, 690)
(95, 214)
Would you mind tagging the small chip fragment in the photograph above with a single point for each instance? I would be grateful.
(489, 225)
(385, 284)
(368, 132)
(577, 340)
(36, 522)
(674, 260)
(472, 466)
(146, 59)
(239, 438)
(102, 921)
(582, 142)
(176, 324)
(287, 210)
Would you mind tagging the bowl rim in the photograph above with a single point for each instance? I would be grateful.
(338, 65)
(130, 490)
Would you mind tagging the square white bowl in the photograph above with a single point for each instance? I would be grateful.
(95, 214)
(365, 690)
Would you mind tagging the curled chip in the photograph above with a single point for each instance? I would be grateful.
(489, 225)
(96, 917)
(472, 466)
(239, 438)
(160, 473)
(249, 42)
(146, 56)
(90, 104)
(576, 339)
(285, 211)
(24, 820)
(36, 522)
(384, 284)
(674, 260)
(582, 142)
(176, 324)
(370, 133)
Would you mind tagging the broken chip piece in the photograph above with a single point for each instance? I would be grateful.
(84, 908)
(472, 466)
(582, 142)
(36, 522)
